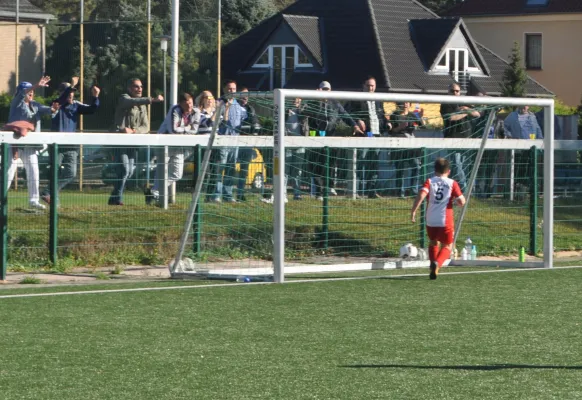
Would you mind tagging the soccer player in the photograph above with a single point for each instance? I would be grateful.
(442, 193)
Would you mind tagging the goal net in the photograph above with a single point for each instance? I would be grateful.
(331, 190)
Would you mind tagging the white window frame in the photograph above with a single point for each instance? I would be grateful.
(296, 62)
(445, 68)
(269, 57)
(525, 35)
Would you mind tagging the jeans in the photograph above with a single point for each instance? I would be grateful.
(294, 165)
(175, 162)
(406, 160)
(225, 163)
(68, 171)
(245, 156)
(367, 171)
(124, 158)
(458, 163)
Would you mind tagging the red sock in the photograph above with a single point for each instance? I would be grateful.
(444, 254)
(433, 252)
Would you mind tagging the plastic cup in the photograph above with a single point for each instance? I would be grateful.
(369, 134)
(532, 136)
(321, 133)
(311, 133)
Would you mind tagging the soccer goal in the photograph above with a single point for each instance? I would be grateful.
(369, 216)
(334, 199)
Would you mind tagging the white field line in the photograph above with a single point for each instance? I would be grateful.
(210, 286)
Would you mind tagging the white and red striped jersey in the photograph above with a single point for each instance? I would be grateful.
(441, 194)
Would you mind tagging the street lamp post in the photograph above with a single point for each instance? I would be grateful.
(164, 46)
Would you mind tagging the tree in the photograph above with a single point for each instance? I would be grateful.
(281, 4)
(239, 16)
(514, 77)
(439, 6)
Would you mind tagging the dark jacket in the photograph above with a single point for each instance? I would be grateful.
(412, 122)
(359, 111)
(326, 115)
(66, 118)
(455, 129)
(250, 125)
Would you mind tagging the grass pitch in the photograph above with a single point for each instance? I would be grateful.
(481, 336)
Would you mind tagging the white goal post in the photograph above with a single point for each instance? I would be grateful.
(281, 96)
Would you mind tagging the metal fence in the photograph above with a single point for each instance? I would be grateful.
(81, 228)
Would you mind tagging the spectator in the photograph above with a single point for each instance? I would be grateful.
(226, 159)
(457, 126)
(323, 119)
(295, 125)
(24, 108)
(182, 119)
(404, 122)
(131, 116)
(522, 124)
(207, 106)
(65, 120)
(250, 126)
(484, 186)
(557, 129)
(373, 122)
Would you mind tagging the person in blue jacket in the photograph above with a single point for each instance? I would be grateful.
(65, 120)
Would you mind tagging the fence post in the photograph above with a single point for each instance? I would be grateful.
(5, 150)
(533, 201)
(53, 221)
(197, 226)
(325, 220)
(423, 205)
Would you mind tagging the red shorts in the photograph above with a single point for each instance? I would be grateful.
(443, 234)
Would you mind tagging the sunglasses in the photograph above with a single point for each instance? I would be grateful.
(209, 97)
(455, 91)
(137, 87)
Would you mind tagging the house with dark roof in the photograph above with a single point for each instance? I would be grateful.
(23, 45)
(404, 45)
(548, 32)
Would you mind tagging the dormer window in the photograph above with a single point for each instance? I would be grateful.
(298, 58)
(457, 61)
(282, 61)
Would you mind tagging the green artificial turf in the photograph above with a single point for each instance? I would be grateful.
(480, 336)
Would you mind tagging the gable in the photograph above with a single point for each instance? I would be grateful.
(309, 31)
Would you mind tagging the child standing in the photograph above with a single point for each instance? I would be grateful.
(442, 192)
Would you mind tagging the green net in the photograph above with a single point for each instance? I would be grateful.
(348, 202)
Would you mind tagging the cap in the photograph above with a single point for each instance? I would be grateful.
(23, 86)
(325, 85)
(64, 86)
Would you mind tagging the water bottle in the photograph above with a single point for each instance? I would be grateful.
(522, 254)
(474, 253)
(455, 254)
(468, 245)
(464, 254)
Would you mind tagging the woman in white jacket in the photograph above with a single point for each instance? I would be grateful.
(182, 119)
